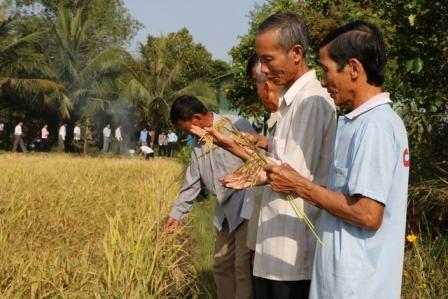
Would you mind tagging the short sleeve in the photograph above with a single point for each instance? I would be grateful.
(374, 160)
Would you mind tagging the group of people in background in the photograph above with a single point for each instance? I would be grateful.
(167, 142)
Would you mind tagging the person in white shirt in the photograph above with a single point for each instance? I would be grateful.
(18, 138)
(77, 138)
(61, 137)
(106, 138)
(163, 143)
(119, 139)
(147, 151)
(77, 133)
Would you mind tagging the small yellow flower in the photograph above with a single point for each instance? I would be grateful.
(422, 285)
(411, 238)
(405, 273)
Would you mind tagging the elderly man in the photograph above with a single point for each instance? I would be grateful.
(365, 204)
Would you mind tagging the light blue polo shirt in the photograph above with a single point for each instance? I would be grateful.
(372, 159)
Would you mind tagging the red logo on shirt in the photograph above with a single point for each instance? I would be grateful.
(406, 160)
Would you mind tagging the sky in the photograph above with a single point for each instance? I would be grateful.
(214, 23)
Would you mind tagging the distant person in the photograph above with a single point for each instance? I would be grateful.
(189, 140)
(2, 132)
(77, 137)
(106, 138)
(172, 142)
(143, 137)
(147, 151)
(88, 138)
(89, 134)
(61, 137)
(152, 135)
(45, 144)
(163, 144)
(18, 138)
(119, 139)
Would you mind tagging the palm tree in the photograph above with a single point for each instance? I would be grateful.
(24, 74)
(91, 78)
(150, 82)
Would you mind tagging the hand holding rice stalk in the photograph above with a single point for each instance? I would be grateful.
(247, 174)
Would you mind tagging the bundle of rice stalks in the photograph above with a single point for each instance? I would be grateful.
(248, 171)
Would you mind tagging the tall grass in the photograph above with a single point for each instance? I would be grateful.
(75, 227)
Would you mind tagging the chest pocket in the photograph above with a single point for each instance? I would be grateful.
(339, 178)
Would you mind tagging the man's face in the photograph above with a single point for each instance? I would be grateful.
(196, 120)
(277, 64)
(266, 91)
(338, 84)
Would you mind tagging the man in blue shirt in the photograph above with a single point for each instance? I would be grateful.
(363, 226)
(144, 137)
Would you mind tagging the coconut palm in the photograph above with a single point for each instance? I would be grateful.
(24, 74)
(150, 82)
(90, 77)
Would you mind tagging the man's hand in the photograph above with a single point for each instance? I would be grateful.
(171, 225)
(220, 139)
(238, 182)
(198, 131)
(284, 179)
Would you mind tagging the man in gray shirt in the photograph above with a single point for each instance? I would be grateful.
(232, 257)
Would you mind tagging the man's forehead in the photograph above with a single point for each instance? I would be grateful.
(268, 38)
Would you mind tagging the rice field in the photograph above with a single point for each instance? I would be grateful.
(74, 227)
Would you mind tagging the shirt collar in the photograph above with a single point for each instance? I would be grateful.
(379, 99)
(292, 91)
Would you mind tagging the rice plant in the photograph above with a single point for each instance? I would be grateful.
(74, 227)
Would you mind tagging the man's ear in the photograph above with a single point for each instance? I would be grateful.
(355, 68)
(297, 52)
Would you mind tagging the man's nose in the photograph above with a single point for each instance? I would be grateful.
(264, 68)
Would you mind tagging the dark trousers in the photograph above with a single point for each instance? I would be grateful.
(162, 150)
(171, 148)
(45, 145)
(273, 289)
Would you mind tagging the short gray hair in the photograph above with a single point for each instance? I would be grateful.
(293, 30)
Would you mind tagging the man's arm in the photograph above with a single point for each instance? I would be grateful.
(188, 193)
(358, 210)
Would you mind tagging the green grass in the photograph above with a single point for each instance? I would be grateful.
(201, 233)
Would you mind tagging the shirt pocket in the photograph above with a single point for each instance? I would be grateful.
(340, 177)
